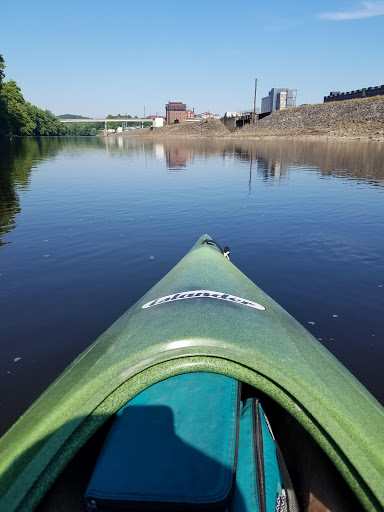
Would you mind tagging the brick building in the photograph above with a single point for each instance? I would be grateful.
(175, 112)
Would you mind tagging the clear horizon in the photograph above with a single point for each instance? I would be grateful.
(95, 59)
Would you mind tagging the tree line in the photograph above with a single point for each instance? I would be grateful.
(115, 125)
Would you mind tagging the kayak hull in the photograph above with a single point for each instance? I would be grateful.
(219, 331)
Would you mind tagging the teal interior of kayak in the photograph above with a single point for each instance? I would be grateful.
(189, 442)
(192, 441)
(203, 316)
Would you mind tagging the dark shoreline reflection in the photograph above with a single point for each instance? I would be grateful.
(18, 157)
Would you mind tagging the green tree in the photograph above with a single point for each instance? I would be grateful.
(17, 120)
(116, 124)
(45, 122)
(2, 67)
(83, 129)
(3, 109)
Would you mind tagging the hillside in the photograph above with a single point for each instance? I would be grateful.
(363, 118)
(71, 116)
(207, 128)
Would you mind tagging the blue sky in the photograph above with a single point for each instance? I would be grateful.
(97, 57)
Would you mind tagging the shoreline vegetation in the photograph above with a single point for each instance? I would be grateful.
(358, 119)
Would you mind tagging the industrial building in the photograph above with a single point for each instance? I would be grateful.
(175, 112)
(360, 93)
(278, 99)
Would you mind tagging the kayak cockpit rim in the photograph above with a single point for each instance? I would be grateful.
(161, 371)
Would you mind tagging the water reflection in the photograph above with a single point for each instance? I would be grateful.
(271, 170)
(159, 151)
(178, 157)
(9, 201)
(272, 159)
(18, 158)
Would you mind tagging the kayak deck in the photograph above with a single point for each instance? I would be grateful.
(203, 316)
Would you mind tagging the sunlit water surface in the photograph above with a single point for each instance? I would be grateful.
(88, 225)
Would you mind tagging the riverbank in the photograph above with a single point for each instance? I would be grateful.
(351, 119)
(361, 119)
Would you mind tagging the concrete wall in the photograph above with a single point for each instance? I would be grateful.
(360, 93)
(238, 122)
(229, 122)
(158, 122)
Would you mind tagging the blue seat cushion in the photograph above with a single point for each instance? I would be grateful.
(172, 447)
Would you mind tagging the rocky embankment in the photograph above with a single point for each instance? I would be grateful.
(354, 119)
(207, 128)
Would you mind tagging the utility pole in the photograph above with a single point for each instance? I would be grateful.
(254, 101)
(144, 111)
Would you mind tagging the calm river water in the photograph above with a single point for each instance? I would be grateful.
(88, 225)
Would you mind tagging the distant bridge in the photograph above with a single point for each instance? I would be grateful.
(109, 120)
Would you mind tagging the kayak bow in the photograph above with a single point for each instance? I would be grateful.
(203, 316)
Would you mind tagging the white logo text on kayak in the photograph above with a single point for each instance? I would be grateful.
(203, 294)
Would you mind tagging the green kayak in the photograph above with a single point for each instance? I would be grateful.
(203, 316)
